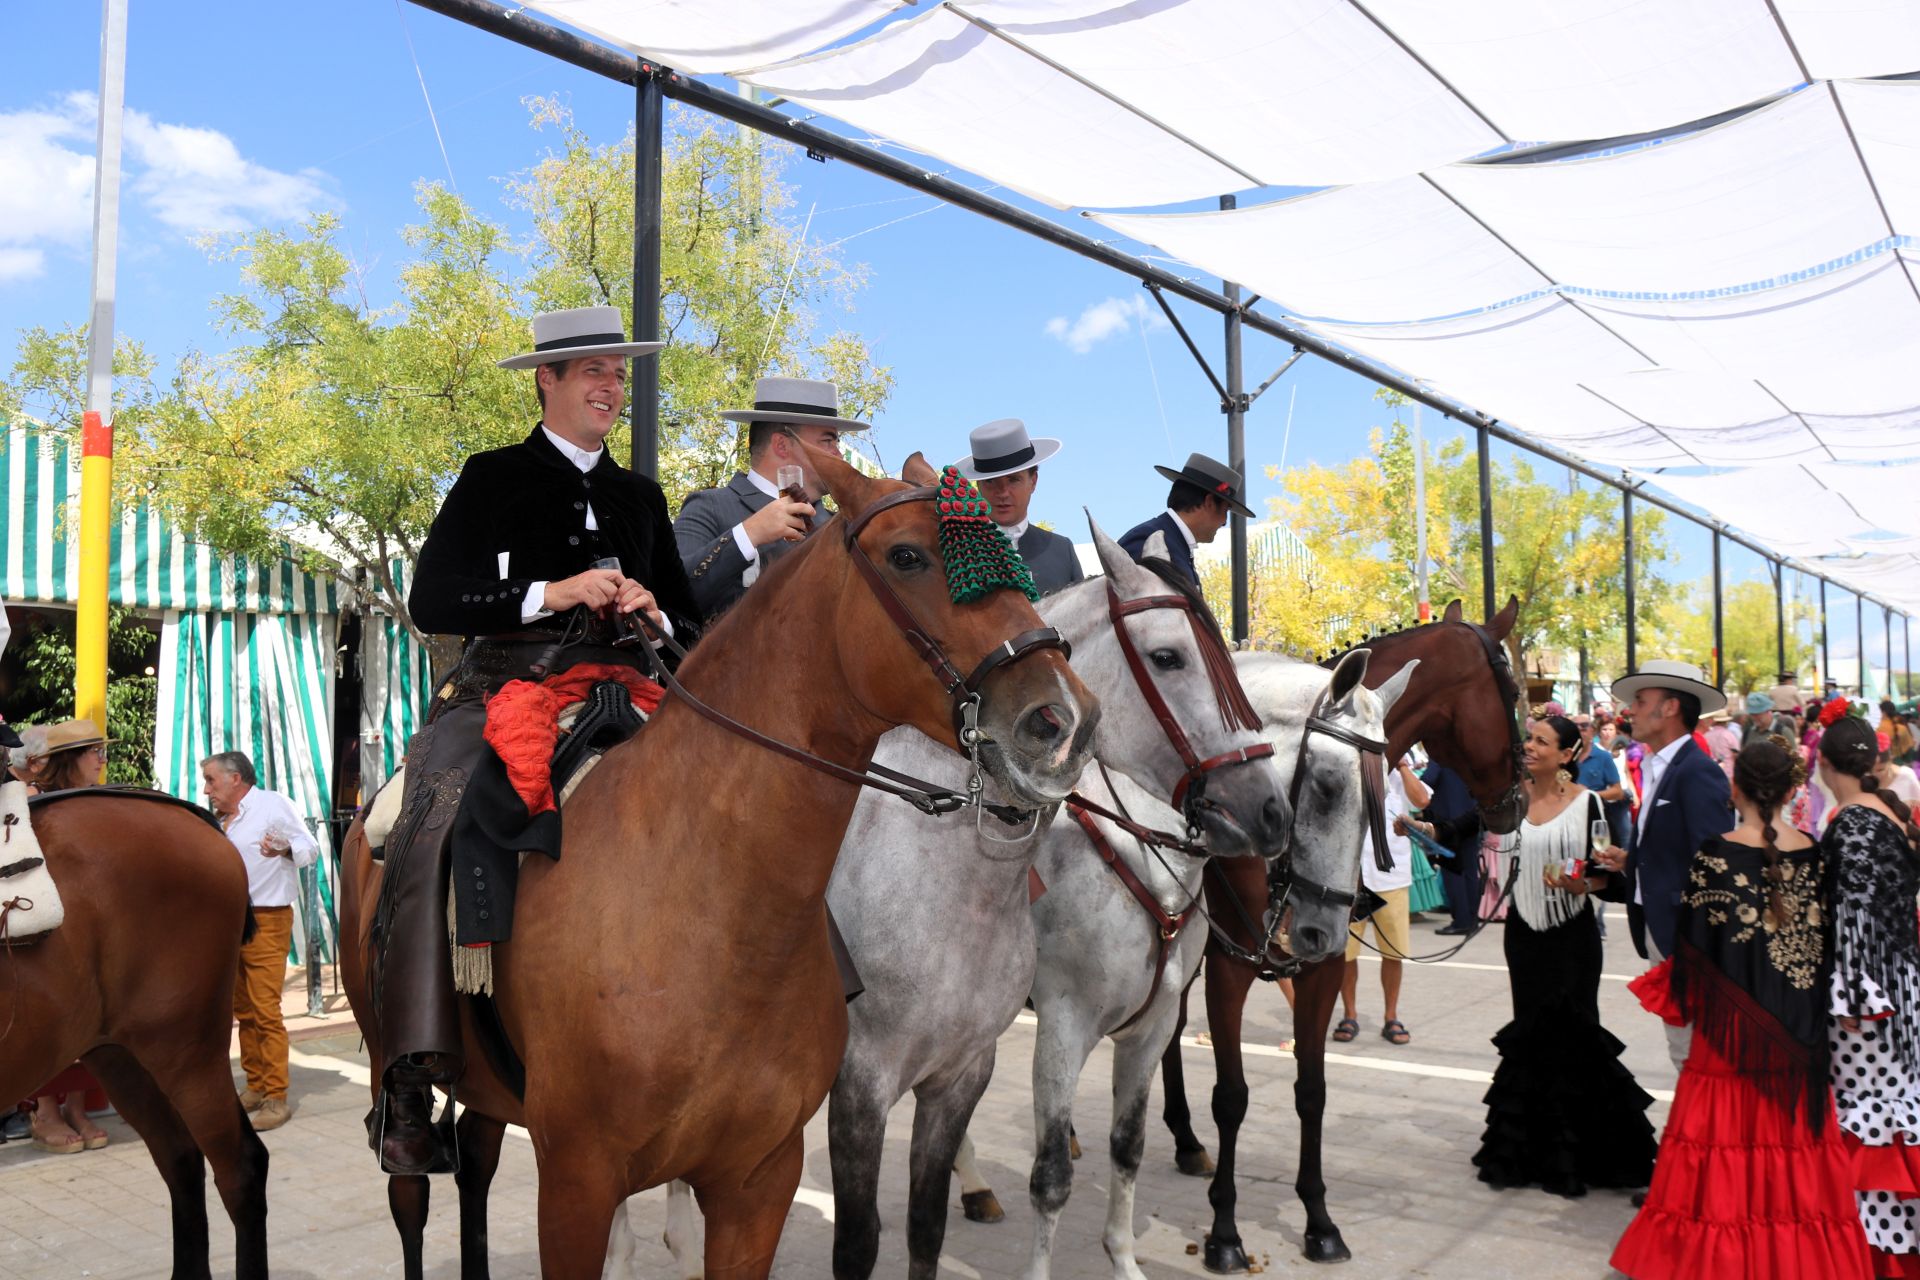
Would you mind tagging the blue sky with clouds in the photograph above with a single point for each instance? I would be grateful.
(252, 114)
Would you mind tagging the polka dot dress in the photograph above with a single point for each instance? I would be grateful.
(1876, 1099)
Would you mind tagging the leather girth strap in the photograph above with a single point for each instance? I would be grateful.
(1167, 927)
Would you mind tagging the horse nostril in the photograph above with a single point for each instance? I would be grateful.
(1044, 724)
(1273, 819)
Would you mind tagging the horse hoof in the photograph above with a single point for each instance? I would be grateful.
(1195, 1163)
(1326, 1246)
(1223, 1259)
(982, 1206)
(1073, 1145)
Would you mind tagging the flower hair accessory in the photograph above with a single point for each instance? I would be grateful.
(979, 557)
(1831, 713)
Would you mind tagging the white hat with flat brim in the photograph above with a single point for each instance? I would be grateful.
(1664, 673)
(575, 334)
(799, 402)
(1003, 448)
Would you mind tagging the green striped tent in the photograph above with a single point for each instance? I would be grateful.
(396, 684)
(247, 647)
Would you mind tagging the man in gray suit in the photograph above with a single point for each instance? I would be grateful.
(1005, 463)
(727, 536)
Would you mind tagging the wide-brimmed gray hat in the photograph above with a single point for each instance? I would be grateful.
(1664, 673)
(801, 402)
(1216, 478)
(1003, 448)
(575, 334)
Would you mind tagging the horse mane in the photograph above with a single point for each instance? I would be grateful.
(1235, 711)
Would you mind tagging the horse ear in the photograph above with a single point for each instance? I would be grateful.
(1348, 675)
(852, 492)
(1502, 622)
(916, 470)
(1453, 612)
(1115, 562)
(1389, 693)
(1156, 546)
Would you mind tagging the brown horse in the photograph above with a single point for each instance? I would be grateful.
(137, 982)
(669, 983)
(1461, 704)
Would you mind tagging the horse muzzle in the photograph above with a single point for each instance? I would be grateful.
(1038, 748)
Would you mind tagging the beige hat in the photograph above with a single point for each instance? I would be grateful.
(1665, 673)
(74, 735)
(575, 334)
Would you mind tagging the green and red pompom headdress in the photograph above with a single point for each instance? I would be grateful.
(979, 557)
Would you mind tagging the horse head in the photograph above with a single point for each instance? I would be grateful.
(1173, 716)
(1321, 726)
(912, 655)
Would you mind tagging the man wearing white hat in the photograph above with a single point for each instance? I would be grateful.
(728, 536)
(538, 550)
(1684, 798)
(1005, 463)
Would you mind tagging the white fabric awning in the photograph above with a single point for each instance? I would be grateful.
(703, 36)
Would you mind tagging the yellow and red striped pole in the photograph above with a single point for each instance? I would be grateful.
(96, 546)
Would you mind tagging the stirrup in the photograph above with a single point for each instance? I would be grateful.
(441, 1133)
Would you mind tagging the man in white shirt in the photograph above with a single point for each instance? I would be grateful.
(1405, 791)
(274, 844)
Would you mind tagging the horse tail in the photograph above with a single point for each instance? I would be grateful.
(249, 928)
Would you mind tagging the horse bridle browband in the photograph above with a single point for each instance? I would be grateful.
(1289, 883)
(927, 797)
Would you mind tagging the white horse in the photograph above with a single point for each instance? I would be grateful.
(934, 910)
(1107, 966)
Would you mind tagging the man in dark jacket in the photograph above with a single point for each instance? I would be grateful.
(540, 542)
(1204, 494)
(729, 536)
(1456, 827)
(1005, 463)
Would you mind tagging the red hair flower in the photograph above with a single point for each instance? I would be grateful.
(1831, 713)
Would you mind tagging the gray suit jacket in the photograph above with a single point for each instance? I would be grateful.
(1050, 557)
(704, 535)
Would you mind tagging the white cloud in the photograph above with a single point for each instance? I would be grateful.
(191, 180)
(1103, 320)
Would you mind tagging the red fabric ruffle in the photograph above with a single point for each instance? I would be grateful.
(1894, 1168)
(1654, 990)
(1743, 1188)
(1896, 1266)
(523, 722)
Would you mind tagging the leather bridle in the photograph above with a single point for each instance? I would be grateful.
(1509, 690)
(1284, 882)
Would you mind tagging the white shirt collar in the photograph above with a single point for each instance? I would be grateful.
(1193, 543)
(1015, 532)
(763, 484)
(574, 453)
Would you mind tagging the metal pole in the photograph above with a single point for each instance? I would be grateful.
(1486, 525)
(1425, 604)
(1719, 619)
(1780, 615)
(1236, 407)
(1906, 650)
(1826, 662)
(1626, 540)
(649, 112)
(1860, 640)
(1886, 626)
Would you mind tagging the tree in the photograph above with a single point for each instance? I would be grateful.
(341, 424)
(1749, 626)
(44, 692)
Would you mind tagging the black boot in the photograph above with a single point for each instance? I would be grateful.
(411, 1141)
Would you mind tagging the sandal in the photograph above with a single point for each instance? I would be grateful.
(58, 1139)
(1395, 1032)
(1347, 1029)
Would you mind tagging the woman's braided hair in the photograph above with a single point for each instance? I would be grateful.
(1766, 773)
(1851, 747)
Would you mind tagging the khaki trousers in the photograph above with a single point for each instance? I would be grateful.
(256, 1001)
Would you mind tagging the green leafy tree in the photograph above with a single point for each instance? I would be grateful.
(1749, 626)
(44, 692)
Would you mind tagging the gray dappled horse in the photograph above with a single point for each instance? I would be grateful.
(1106, 965)
(934, 910)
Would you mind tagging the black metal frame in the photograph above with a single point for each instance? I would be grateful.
(654, 83)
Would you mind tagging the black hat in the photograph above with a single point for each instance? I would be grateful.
(1215, 478)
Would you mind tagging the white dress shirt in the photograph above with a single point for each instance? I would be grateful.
(272, 880)
(1399, 847)
(740, 538)
(1653, 769)
(531, 608)
(1016, 530)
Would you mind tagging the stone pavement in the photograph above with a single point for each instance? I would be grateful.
(1402, 1125)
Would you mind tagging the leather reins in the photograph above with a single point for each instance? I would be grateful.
(1167, 925)
(927, 797)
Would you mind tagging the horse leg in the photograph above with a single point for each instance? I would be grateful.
(142, 1105)
(1132, 1081)
(1318, 986)
(479, 1139)
(1059, 1055)
(977, 1200)
(940, 1114)
(581, 1188)
(683, 1230)
(1227, 986)
(408, 1196)
(856, 1133)
(744, 1222)
(1189, 1153)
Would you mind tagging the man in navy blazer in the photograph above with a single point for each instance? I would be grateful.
(1205, 494)
(1684, 799)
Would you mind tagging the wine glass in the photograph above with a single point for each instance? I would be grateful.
(792, 483)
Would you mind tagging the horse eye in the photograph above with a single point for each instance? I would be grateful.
(1167, 659)
(905, 558)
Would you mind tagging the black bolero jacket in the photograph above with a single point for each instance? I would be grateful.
(529, 502)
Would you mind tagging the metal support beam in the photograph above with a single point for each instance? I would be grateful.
(1236, 405)
(649, 113)
(1780, 614)
(1826, 661)
(1626, 543)
(1886, 625)
(1906, 650)
(1719, 620)
(1860, 641)
(1192, 347)
(1277, 375)
(1487, 588)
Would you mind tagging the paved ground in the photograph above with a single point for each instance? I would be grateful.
(1402, 1125)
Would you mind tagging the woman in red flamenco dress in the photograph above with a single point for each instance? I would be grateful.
(1754, 1180)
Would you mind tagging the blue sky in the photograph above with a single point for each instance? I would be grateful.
(253, 114)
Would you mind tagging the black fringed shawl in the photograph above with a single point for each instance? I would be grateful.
(1754, 981)
(1873, 877)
